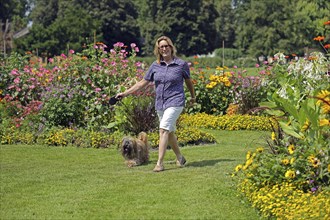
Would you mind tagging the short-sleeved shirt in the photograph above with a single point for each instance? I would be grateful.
(169, 80)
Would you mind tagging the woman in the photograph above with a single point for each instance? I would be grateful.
(168, 73)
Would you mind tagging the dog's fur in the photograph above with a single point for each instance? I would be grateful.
(135, 150)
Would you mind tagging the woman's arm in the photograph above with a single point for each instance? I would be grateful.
(191, 89)
(138, 86)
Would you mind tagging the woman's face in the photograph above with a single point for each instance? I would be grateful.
(165, 49)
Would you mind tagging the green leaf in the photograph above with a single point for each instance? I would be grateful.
(289, 130)
(275, 112)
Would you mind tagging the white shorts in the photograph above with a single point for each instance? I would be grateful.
(167, 118)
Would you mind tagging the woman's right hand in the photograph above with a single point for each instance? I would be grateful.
(120, 95)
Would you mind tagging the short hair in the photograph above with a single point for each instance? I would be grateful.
(156, 49)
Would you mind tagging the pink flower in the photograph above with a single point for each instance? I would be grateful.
(257, 65)
(14, 72)
(51, 60)
(32, 87)
(16, 80)
(235, 67)
(96, 47)
(63, 55)
(133, 45)
(266, 62)
(98, 90)
(118, 44)
(71, 51)
(137, 49)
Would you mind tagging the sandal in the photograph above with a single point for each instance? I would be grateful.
(158, 168)
(181, 162)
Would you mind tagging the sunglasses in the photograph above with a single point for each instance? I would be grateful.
(164, 46)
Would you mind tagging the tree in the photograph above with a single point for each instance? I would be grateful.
(225, 23)
(118, 20)
(60, 29)
(268, 27)
(190, 24)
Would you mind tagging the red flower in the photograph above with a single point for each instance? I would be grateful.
(327, 46)
(327, 23)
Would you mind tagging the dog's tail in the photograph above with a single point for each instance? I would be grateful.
(143, 137)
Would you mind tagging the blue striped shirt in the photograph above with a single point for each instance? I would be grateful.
(169, 80)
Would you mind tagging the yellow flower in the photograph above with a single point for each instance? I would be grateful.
(311, 158)
(219, 68)
(329, 168)
(228, 74)
(285, 162)
(238, 167)
(305, 126)
(323, 94)
(291, 148)
(227, 83)
(260, 149)
(290, 174)
(273, 136)
(292, 160)
(248, 155)
(316, 162)
(211, 85)
(324, 99)
(324, 122)
(213, 78)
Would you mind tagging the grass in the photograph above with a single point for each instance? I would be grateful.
(39, 182)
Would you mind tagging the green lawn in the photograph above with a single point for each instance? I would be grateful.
(39, 182)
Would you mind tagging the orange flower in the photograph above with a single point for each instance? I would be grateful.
(319, 38)
(196, 63)
(195, 57)
(294, 55)
(327, 46)
(327, 23)
(84, 58)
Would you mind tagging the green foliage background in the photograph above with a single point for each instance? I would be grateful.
(197, 27)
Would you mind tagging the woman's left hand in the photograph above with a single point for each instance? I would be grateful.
(192, 101)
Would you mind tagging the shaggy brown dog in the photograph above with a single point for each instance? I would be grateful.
(135, 150)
